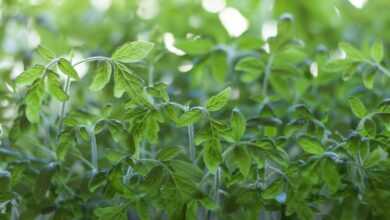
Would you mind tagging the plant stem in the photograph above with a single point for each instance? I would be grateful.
(63, 106)
(267, 73)
(151, 75)
(89, 59)
(14, 211)
(191, 147)
(217, 182)
(380, 67)
(94, 151)
(68, 83)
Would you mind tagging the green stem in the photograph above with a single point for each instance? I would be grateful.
(68, 83)
(14, 211)
(267, 73)
(63, 106)
(380, 67)
(80, 157)
(89, 59)
(191, 146)
(151, 75)
(217, 182)
(94, 151)
(190, 130)
(384, 70)
(150, 84)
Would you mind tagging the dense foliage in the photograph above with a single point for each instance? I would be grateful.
(102, 118)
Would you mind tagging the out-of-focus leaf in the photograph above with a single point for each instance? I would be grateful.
(212, 155)
(132, 51)
(55, 89)
(102, 77)
(377, 51)
(238, 124)
(30, 75)
(45, 53)
(218, 101)
(310, 145)
(357, 107)
(189, 117)
(67, 68)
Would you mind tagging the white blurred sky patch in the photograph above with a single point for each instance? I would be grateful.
(233, 21)
(82, 68)
(269, 29)
(17, 69)
(148, 9)
(358, 3)
(213, 6)
(101, 5)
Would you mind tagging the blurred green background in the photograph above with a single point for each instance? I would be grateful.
(238, 28)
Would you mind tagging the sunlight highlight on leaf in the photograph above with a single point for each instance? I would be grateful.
(169, 43)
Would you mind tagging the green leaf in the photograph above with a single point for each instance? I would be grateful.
(367, 127)
(111, 212)
(281, 85)
(218, 101)
(153, 179)
(352, 53)
(45, 53)
(377, 51)
(357, 107)
(30, 75)
(142, 208)
(242, 159)
(54, 86)
(238, 124)
(126, 81)
(375, 157)
(169, 153)
(186, 177)
(102, 77)
(5, 180)
(97, 181)
(66, 141)
(132, 51)
(119, 82)
(189, 117)
(208, 203)
(251, 67)
(368, 79)
(33, 102)
(212, 155)
(310, 145)
(43, 179)
(151, 129)
(194, 47)
(250, 64)
(67, 68)
(219, 66)
(159, 90)
(274, 190)
(192, 210)
(330, 175)
(186, 170)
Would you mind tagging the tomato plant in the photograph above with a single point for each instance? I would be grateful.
(132, 110)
